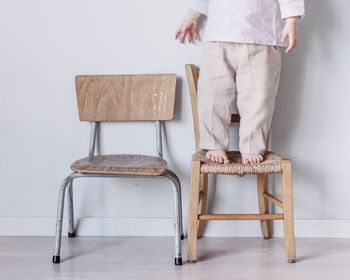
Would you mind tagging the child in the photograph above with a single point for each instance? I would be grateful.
(241, 61)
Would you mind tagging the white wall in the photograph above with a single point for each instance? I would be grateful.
(44, 44)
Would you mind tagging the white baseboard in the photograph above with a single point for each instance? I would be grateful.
(40, 226)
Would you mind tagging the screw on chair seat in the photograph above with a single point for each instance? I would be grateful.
(121, 164)
(272, 164)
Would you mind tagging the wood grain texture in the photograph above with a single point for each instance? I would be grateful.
(192, 74)
(224, 217)
(147, 258)
(262, 186)
(287, 190)
(235, 118)
(193, 212)
(273, 199)
(121, 164)
(203, 198)
(126, 97)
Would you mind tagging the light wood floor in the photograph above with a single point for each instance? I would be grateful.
(127, 258)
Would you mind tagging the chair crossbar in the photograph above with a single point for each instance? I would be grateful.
(224, 217)
(273, 199)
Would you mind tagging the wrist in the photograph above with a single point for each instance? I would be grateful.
(292, 20)
(194, 15)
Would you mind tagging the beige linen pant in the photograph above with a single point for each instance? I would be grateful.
(247, 73)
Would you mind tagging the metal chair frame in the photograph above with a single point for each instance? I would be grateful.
(169, 176)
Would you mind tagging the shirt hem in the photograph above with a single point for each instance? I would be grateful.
(244, 41)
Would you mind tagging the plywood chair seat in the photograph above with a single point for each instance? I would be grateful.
(272, 164)
(121, 164)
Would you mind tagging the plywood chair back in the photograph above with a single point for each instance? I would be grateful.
(126, 97)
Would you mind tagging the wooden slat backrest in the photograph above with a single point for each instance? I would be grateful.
(192, 74)
(126, 97)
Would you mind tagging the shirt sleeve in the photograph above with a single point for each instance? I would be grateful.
(292, 8)
(200, 6)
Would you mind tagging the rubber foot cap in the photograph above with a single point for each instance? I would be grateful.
(266, 237)
(178, 261)
(291, 260)
(56, 259)
(182, 237)
(71, 234)
(191, 261)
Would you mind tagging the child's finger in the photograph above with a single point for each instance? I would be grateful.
(189, 37)
(195, 35)
(177, 34)
(284, 36)
(289, 49)
(292, 43)
(182, 37)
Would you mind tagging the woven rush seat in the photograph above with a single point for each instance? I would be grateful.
(121, 164)
(272, 164)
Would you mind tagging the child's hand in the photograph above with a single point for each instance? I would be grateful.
(189, 28)
(290, 33)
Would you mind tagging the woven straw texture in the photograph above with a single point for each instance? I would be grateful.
(272, 164)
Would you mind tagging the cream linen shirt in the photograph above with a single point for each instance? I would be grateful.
(247, 21)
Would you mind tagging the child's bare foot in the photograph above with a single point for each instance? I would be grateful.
(252, 159)
(218, 156)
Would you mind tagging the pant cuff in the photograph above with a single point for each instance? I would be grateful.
(211, 146)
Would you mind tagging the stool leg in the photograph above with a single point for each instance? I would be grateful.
(202, 202)
(175, 182)
(193, 212)
(287, 189)
(71, 231)
(60, 210)
(262, 182)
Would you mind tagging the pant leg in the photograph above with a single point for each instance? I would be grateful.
(257, 81)
(216, 92)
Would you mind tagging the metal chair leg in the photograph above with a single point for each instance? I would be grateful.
(59, 222)
(175, 182)
(180, 206)
(182, 235)
(71, 231)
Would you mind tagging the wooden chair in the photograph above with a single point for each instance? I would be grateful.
(201, 167)
(122, 98)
